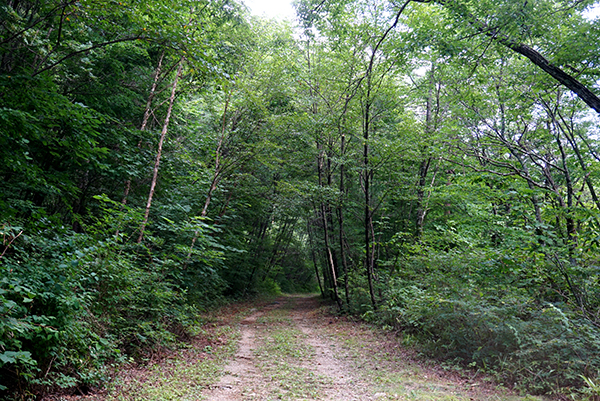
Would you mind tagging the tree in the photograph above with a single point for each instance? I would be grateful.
(163, 135)
(512, 22)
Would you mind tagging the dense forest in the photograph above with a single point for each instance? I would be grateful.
(429, 165)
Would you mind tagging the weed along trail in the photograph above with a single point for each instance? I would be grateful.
(292, 349)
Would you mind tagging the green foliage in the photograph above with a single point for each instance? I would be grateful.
(76, 291)
(268, 287)
(480, 209)
(71, 303)
(470, 317)
(45, 320)
(592, 391)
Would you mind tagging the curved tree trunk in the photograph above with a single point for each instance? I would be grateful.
(147, 113)
(570, 82)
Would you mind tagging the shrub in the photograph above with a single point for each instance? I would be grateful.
(542, 346)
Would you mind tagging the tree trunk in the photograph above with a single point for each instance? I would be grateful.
(163, 134)
(330, 260)
(516, 153)
(422, 208)
(314, 257)
(279, 239)
(367, 191)
(533, 55)
(323, 213)
(145, 118)
(563, 126)
(430, 128)
(340, 214)
(570, 221)
(215, 180)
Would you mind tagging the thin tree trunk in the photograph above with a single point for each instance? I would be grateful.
(570, 221)
(530, 184)
(421, 209)
(323, 212)
(588, 180)
(226, 205)
(327, 281)
(559, 198)
(279, 238)
(569, 134)
(163, 135)
(426, 163)
(366, 181)
(147, 113)
(340, 214)
(314, 257)
(514, 151)
(215, 180)
(261, 234)
(328, 255)
(329, 214)
(330, 258)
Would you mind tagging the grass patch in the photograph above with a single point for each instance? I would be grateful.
(281, 355)
(182, 376)
(395, 377)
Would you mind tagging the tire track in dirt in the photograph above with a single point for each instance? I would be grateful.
(243, 379)
(330, 360)
(294, 350)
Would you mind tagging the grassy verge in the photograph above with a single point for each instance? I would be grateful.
(395, 373)
(182, 376)
(186, 373)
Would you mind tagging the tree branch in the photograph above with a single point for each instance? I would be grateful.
(96, 46)
(570, 82)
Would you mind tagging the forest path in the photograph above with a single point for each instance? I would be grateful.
(283, 353)
(292, 349)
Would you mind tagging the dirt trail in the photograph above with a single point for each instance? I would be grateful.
(241, 373)
(331, 359)
(292, 350)
(244, 379)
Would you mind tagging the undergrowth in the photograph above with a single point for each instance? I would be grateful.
(183, 376)
(467, 311)
(75, 305)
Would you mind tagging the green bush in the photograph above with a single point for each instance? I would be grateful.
(46, 335)
(72, 303)
(477, 320)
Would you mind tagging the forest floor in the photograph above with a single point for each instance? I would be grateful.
(293, 348)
